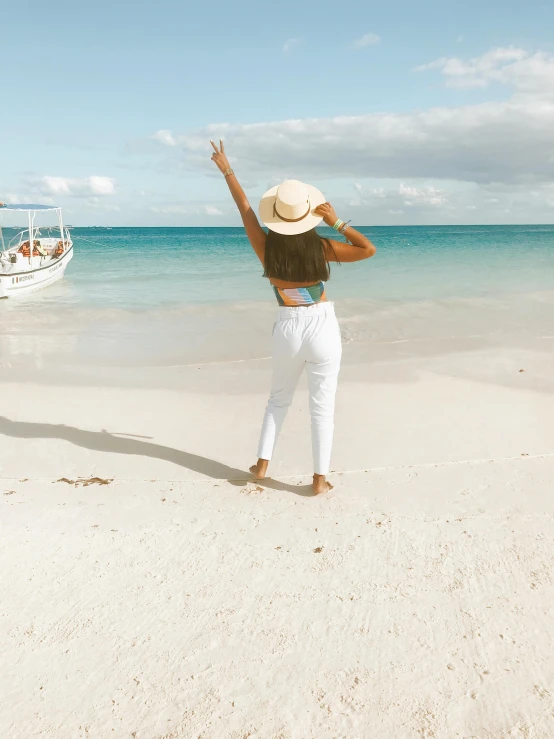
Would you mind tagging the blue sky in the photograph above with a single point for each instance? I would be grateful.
(429, 112)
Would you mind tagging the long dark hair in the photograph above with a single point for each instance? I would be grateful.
(297, 257)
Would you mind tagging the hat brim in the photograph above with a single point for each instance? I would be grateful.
(270, 219)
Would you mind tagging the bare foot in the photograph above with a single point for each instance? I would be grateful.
(259, 470)
(320, 485)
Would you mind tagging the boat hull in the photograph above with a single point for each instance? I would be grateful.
(23, 283)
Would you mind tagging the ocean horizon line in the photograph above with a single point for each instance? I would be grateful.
(392, 226)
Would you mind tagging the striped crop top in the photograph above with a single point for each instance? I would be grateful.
(291, 297)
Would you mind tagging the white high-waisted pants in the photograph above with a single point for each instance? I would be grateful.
(304, 338)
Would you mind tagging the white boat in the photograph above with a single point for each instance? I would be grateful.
(31, 261)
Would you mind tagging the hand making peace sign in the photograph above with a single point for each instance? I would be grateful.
(219, 157)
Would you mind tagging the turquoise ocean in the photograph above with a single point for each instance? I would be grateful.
(171, 296)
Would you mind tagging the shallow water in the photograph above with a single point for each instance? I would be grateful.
(170, 296)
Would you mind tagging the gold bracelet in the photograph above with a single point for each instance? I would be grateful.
(228, 172)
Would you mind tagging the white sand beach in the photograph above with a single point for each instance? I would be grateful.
(181, 600)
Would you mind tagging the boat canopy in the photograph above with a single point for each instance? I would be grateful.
(27, 207)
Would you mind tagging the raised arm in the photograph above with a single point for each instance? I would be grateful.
(256, 234)
(360, 247)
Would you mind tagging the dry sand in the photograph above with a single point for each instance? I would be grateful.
(179, 600)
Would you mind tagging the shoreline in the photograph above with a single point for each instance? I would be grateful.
(174, 338)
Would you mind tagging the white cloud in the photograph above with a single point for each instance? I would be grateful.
(527, 72)
(23, 196)
(368, 39)
(164, 137)
(500, 150)
(427, 195)
(395, 196)
(77, 188)
(211, 210)
(101, 185)
(455, 202)
(366, 196)
(511, 141)
(290, 44)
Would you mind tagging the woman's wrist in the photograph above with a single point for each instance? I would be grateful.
(338, 224)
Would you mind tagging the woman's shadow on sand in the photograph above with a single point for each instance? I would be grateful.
(103, 441)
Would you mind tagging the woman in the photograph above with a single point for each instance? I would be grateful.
(306, 335)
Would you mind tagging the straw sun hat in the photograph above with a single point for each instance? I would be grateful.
(288, 208)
